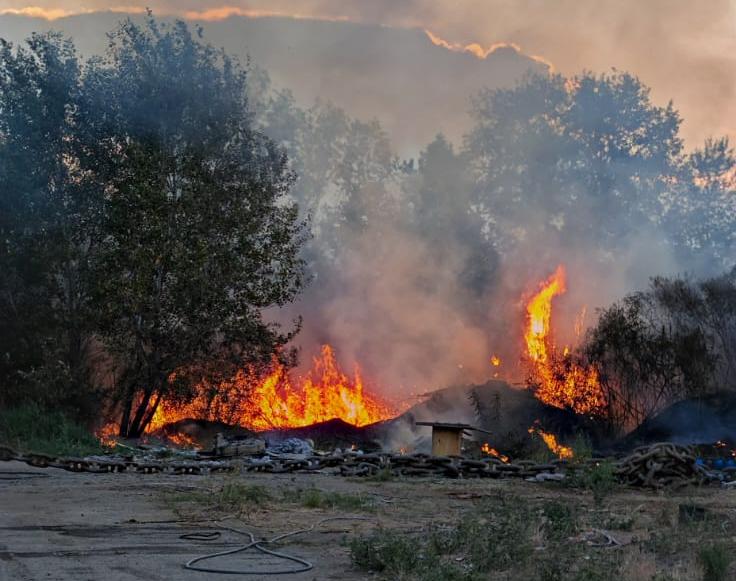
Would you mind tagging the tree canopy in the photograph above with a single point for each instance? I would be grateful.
(177, 222)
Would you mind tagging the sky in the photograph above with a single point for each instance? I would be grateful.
(685, 50)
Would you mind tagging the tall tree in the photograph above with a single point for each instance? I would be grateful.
(199, 235)
(586, 158)
(44, 323)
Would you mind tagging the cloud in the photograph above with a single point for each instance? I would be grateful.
(52, 14)
(37, 12)
(483, 52)
(225, 12)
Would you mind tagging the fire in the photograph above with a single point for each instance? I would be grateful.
(107, 435)
(495, 361)
(561, 381)
(486, 449)
(562, 452)
(277, 401)
(326, 393)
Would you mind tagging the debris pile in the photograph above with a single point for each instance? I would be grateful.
(662, 465)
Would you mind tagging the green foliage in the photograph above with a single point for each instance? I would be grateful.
(232, 497)
(598, 138)
(716, 560)
(599, 478)
(237, 495)
(31, 428)
(144, 222)
(560, 520)
(386, 552)
(494, 537)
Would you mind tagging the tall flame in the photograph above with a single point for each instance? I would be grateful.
(277, 401)
(539, 314)
(561, 381)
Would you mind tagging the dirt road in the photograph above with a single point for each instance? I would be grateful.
(62, 526)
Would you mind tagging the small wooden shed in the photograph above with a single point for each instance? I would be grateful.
(446, 437)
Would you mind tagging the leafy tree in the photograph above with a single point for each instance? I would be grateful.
(444, 216)
(143, 218)
(44, 345)
(586, 158)
(199, 237)
(702, 220)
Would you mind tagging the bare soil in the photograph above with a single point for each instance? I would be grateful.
(57, 525)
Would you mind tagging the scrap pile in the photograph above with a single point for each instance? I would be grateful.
(346, 463)
(662, 465)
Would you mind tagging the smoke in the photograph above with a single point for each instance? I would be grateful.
(665, 42)
(388, 306)
(412, 279)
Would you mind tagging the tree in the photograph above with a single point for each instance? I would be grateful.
(573, 160)
(199, 236)
(44, 346)
(702, 220)
(675, 340)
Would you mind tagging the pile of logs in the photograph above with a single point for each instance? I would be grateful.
(661, 465)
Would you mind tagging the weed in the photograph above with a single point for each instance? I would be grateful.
(238, 495)
(383, 475)
(600, 479)
(233, 496)
(560, 521)
(386, 552)
(715, 560)
(582, 447)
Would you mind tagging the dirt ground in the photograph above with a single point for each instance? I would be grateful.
(56, 525)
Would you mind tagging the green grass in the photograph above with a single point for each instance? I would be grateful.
(496, 536)
(316, 498)
(501, 538)
(232, 497)
(30, 428)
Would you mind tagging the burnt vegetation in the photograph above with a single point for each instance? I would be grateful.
(156, 199)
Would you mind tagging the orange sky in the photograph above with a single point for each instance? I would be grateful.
(684, 50)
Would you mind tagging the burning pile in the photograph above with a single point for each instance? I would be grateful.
(278, 401)
(560, 381)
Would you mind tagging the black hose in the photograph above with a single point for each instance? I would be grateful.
(258, 545)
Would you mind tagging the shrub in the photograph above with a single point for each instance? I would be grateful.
(716, 560)
(32, 428)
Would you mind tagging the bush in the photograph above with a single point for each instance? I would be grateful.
(716, 560)
(667, 343)
(600, 479)
(386, 552)
(31, 428)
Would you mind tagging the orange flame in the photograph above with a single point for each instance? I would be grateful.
(273, 401)
(562, 452)
(561, 381)
(495, 361)
(326, 393)
(486, 449)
